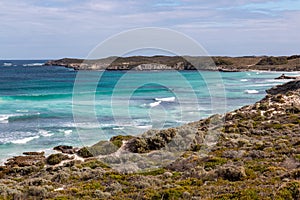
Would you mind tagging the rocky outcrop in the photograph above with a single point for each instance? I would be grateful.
(283, 76)
(250, 153)
(66, 149)
(285, 88)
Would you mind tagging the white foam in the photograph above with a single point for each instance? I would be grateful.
(278, 80)
(262, 85)
(4, 119)
(144, 126)
(118, 128)
(7, 64)
(68, 132)
(45, 133)
(167, 99)
(154, 104)
(244, 80)
(22, 111)
(33, 64)
(24, 140)
(251, 91)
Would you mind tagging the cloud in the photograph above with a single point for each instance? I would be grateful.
(59, 28)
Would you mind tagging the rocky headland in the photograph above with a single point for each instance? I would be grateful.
(221, 63)
(250, 153)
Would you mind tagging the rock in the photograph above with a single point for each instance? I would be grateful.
(34, 153)
(283, 76)
(283, 89)
(22, 161)
(167, 174)
(65, 149)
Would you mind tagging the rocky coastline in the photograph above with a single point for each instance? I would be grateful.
(215, 63)
(256, 155)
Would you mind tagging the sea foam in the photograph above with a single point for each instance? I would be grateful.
(251, 91)
(167, 99)
(33, 65)
(24, 140)
(154, 104)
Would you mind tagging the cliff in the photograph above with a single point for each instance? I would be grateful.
(250, 153)
(222, 63)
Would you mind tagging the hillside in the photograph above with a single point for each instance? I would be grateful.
(282, 63)
(250, 153)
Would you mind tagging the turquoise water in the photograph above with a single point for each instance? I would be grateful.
(45, 106)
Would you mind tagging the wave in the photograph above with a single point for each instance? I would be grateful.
(33, 64)
(18, 117)
(244, 80)
(278, 80)
(24, 140)
(4, 118)
(45, 133)
(36, 97)
(166, 99)
(154, 104)
(68, 132)
(251, 91)
(262, 85)
(22, 111)
(7, 64)
(143, 126)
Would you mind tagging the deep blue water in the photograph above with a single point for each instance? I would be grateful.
(44, 106)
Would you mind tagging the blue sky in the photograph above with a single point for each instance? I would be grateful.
(72, 28)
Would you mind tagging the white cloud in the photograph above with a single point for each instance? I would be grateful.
(72, 27)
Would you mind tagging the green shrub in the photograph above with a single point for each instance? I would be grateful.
(93, 164)
(214, 162)
(54, 159)
(174, 193)
(289, 192)
(293, 57)
(220, 61)
(118, 140)
(103, 148)
(273, 61)
(153, 172)
(84, 152)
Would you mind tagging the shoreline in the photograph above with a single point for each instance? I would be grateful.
(161, 63)
(257, 147)
(50, 150)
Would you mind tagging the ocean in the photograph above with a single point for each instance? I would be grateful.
(45, 106)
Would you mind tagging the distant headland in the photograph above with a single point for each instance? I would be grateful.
(215, 63)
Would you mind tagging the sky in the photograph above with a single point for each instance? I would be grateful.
(50, 29)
